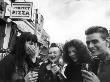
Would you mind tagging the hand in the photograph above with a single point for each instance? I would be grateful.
(55, 69)
(89, 76)
(31, 77)
(30, 49)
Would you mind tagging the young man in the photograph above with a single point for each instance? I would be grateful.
(98, 44)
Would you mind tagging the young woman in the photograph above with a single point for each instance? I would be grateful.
(20, 64)
(75, 55)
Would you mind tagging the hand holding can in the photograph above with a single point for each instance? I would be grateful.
(55, 69)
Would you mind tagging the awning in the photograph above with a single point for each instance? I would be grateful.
(24, 27)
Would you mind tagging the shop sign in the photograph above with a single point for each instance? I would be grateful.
(24, 27)
(21, 10)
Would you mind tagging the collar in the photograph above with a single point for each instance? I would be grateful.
(105, 58)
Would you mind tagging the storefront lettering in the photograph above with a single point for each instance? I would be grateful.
(25, 8)
(21, 12)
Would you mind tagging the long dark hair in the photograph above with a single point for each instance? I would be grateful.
(82, 51)
(19, 50)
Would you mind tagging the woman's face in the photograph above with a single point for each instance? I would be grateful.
(72, 52)
(32, 48)
(54, 54)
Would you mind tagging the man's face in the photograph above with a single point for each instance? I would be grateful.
(96, 44)
(54, 54)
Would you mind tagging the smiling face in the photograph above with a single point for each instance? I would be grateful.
(72, 52)
(96, 44)
(54, 54)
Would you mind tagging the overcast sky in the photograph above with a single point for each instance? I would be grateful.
(68, 19)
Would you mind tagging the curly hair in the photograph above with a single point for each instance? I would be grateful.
(82, 51)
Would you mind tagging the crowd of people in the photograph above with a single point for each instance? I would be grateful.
(74, 62)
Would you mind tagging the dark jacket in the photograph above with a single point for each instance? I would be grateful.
(47, 75)
(73, 73)
(104, 71)
(10, 72)
(7, 68)
(95, 65)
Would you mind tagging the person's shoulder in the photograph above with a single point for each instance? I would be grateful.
(9, 58)
(7, 63)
